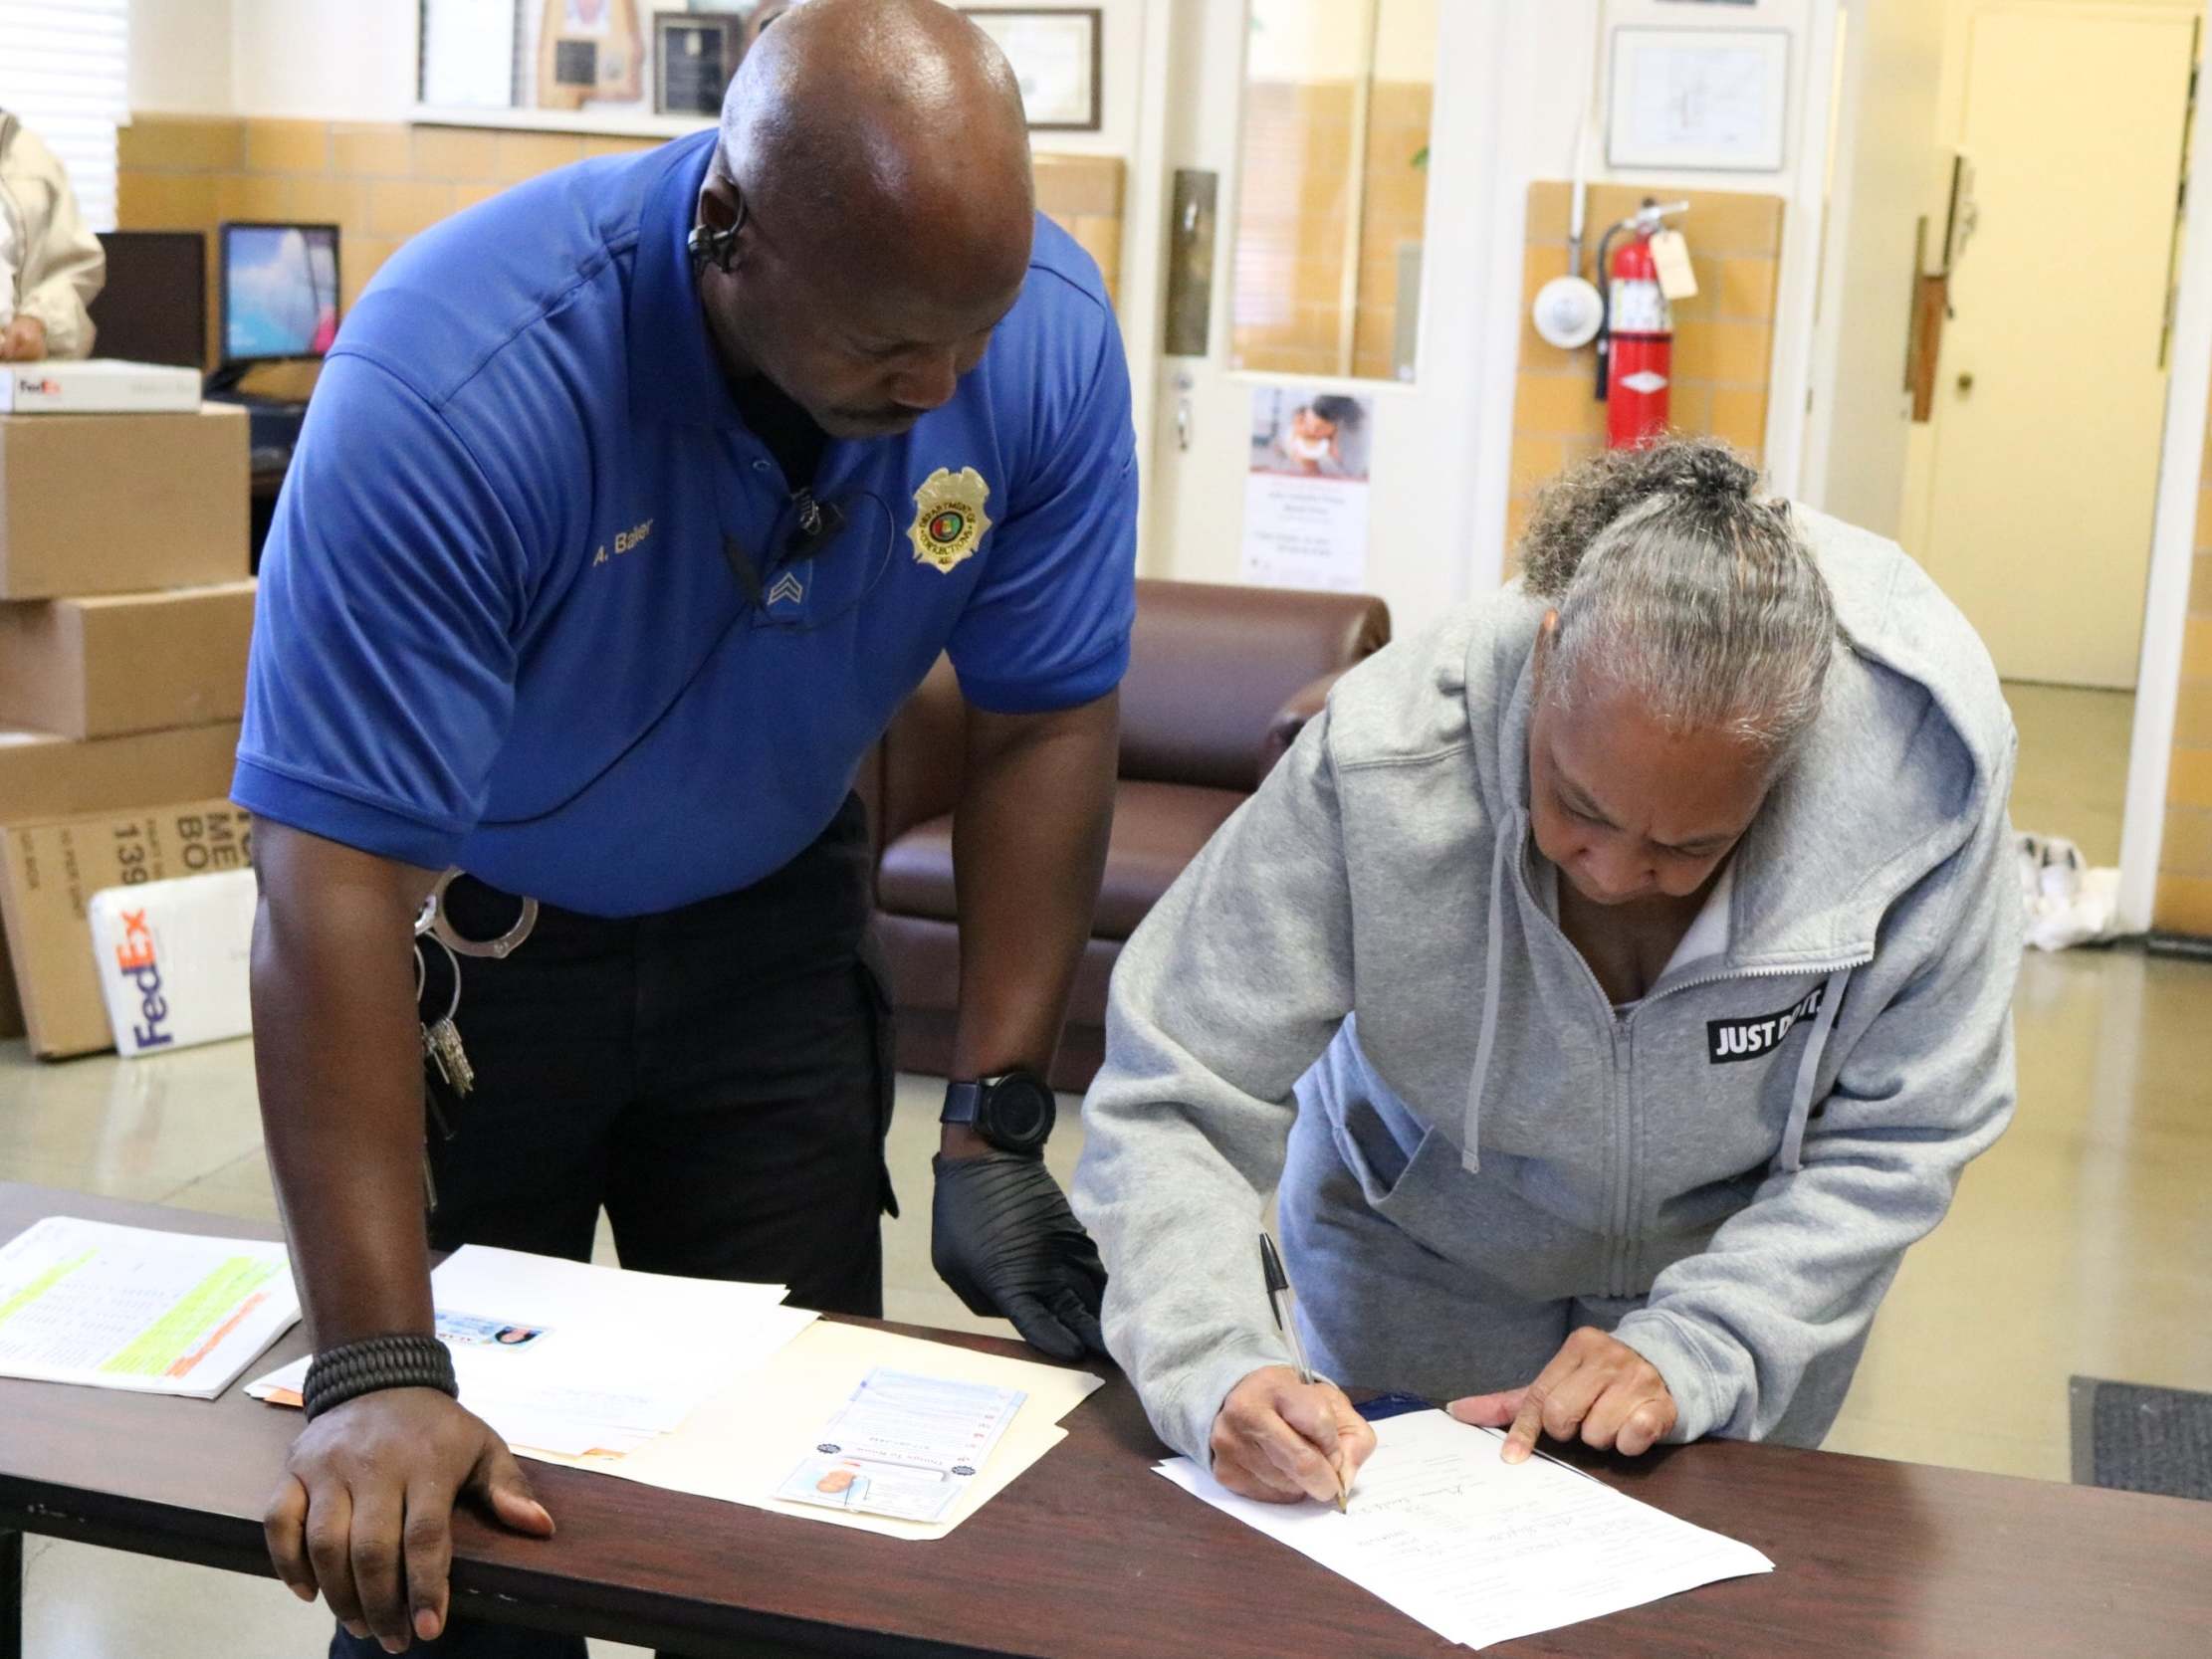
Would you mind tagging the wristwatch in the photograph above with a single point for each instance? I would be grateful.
(1013, 1112)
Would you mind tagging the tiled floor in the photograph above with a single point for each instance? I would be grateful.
(2072, 770)
(2081, 1244)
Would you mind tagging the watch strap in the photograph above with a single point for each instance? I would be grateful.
(962, 1102)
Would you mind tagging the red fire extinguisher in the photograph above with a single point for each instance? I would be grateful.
(1635, 344)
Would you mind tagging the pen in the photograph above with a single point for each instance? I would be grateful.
(1278, 1288)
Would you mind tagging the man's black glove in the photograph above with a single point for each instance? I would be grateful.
(1001, 1235)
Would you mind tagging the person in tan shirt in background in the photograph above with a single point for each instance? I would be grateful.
(51, 266)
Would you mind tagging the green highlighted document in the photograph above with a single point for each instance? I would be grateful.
(160, 1312)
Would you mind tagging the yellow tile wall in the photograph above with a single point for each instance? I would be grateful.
(1296, 172)
(1723, 336)
(381, 183)
(1395, 212)
(2183, 903)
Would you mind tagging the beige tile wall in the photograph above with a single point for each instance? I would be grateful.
(1394, 213)
(1723, 336)
(381, 183)
(1295, 168)
(2184, 898)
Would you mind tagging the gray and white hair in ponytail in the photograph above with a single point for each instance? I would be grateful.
(1678, 583)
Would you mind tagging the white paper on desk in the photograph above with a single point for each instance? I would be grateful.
(741, 1444)
(614, 1360)
(159, 1313)
(1482, 1550)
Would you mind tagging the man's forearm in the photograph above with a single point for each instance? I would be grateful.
(340, 1064)
(1029, 847)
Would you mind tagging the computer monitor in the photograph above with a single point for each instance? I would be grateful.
(279, 291)
(153, 308)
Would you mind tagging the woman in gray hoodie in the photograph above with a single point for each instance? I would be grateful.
(1616, 980)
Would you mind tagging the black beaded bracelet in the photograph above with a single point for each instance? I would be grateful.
(369, 1366)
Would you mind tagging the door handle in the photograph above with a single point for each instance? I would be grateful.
(1965, 383)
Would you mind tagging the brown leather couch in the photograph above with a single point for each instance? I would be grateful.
(1221, 680)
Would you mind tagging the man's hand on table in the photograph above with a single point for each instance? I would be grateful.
(364, 1512)
(1002, 1237)
(1282, 1440)
(1596, 1390)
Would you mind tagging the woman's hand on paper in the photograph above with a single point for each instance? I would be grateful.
(364, 1512)
(1596, 1390)
(1281, 1440)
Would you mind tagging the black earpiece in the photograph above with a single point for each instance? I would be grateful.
(712, 247)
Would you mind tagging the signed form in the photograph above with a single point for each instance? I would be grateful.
(1482, 1550)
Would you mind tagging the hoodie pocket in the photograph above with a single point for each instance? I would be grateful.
(1376, 1135)
(1370, 1151)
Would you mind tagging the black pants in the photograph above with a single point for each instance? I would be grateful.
(717, 1077)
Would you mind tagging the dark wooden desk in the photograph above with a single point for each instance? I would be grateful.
(1090, 1555)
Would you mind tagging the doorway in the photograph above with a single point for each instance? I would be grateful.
(1327, 246)
(2000, 298)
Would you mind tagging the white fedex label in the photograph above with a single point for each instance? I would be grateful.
(174, 960)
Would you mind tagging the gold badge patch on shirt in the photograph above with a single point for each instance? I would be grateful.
(949, 517)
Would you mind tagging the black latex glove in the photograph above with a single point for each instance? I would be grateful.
(1001, 1235)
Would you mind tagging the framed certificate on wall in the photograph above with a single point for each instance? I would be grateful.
(1055, 54)
(1702, 98)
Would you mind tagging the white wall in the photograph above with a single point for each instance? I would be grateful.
(180, 56)
(354, 59)
(1860, 432)
(325, 60)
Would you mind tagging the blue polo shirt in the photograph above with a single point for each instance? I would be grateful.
(499, 626)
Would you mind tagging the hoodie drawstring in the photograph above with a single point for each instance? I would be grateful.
(1790, 1159)
(1493, 963)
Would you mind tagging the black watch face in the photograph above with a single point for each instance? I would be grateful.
(1019, 1114)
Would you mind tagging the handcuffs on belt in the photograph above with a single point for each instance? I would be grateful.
(441, 1038)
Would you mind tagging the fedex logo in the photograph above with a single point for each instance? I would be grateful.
(36, 386)
(135, 961)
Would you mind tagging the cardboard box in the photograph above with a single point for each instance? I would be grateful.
(175, 961)
(125, 662)
(98, 386)
(48, 876)
(118, 503)
(45, 776)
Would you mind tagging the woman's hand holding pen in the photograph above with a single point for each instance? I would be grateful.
(1282, 1441)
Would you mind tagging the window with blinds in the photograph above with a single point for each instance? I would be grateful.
(65, 73)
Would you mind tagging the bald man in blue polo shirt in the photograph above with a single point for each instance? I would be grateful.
(630, 507)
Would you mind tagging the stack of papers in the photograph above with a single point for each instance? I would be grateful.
(1482, 1551)
(563, 1358)
(748, 1442)
(127, 1308)
(903, 1445)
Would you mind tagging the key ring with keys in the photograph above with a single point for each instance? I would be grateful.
(453, 1002)
(432, 920)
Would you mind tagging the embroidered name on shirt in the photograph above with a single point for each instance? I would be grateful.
(1727, 1041)
(625, 542)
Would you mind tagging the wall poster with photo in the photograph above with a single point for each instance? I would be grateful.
(1305, 488)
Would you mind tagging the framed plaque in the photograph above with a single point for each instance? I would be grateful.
(590, 50)
(693, 56)
(1055, 54)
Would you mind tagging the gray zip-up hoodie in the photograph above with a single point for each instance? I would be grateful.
(1732, 1168)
